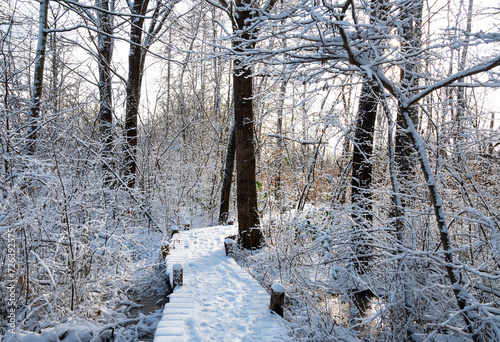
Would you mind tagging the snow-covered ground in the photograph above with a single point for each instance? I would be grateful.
(219, 301)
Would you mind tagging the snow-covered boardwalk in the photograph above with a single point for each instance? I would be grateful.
(219, 301)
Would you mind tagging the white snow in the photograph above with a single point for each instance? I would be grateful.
(219, 301)
(278, 288)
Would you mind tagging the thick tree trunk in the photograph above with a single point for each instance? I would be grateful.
(248, 218)
(250, 235)
(105, 52)
(135, 67)
(361, 192)
(362, 159)
(34, 115)
(227, 177)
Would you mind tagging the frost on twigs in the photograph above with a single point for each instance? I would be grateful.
(77, 257)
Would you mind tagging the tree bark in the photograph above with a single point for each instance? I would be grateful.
(362, 157)
(250, 235)
(281, 143)
(361, 193)
(227, 177)
(34, 115)
(105, 53)
(403, 157)
(461, 101)
(133, 89)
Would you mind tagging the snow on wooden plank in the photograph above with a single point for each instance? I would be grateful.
(218, 300)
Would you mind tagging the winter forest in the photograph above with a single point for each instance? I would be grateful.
(355, 144)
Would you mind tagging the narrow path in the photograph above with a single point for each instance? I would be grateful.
(219, 301)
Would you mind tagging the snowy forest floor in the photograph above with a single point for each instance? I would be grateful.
(221, 299)
(129, 301)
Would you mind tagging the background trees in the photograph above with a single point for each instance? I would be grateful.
(355, 49)
(136, 64)
(393, 98)
(38, 78)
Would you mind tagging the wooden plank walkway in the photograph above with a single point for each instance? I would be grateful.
(219, 301)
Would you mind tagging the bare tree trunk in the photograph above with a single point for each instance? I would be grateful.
(5, 50)
(227, 177)
(169, 76)
(55, 67)
(454, 274)
(278, 164)
(137, 60)
(281, 143)
(362, 159)
(405, 155)
(135, 72)
(34, 125)
(248, 218)
(402, 154)
(361, 189)
(461, 103)
(361, 192)
(105, 53)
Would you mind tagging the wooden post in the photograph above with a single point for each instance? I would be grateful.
(165, 251)
(228, 245)
(177, 275)
(175, 231)
(277, 298)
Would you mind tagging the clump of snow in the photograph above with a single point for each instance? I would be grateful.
(278, 288)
